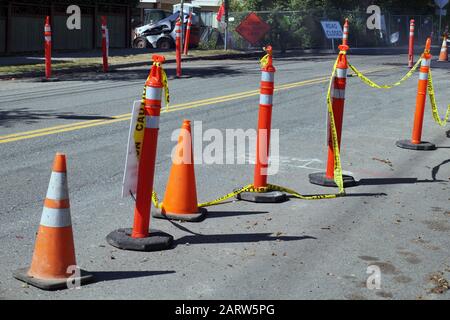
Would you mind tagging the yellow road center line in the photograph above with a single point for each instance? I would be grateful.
(178, 107)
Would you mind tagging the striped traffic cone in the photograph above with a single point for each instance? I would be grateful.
(443, 57)
(267, 87)
(180, 200)
(416, 142)
(326, 179)
(53, 260)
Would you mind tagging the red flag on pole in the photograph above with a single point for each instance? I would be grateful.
(221, 12)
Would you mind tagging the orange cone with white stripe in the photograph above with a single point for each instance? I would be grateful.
(443, 57)
(180, 200)
(54, 265)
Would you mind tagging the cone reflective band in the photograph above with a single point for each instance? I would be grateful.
(267, 87)
(411, 45)
(54, 251)
(443, 56)
(337, 93)
(416, 142)
(104, 44)
(178, 46)
(140, 237)
(48, 47)
(188, 34)
(345, 34)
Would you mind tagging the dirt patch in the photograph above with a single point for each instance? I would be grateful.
(441, 285)
(411, 257)
(403, 279)
(387, 161)
(386, 267)
(355, 296)
(368, 258)
(437, 225)
(384, 294)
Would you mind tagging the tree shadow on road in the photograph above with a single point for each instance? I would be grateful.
(11, 117)
(101, 276)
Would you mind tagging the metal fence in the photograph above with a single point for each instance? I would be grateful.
(303, 30)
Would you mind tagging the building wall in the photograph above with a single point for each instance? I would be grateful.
(27, 27)
(2, 33)
(65, 39)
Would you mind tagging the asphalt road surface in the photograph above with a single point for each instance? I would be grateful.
(397, 218)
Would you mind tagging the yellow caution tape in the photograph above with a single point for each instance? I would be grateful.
(264, 61)
(377, 86)
(270, 187)
(165, 84)
(230, 195)
(226, 197)
(273, 187)
(434, 108)
(334, 137)
(140, 125)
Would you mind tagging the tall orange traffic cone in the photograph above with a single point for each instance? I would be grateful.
(180, 200)
(53, 263)
(443, 57)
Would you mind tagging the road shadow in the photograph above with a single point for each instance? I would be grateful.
(101, 276)
(237, 238)
(388, 181)
(142, 73)
(436, 169)
(11, 117)
(226, 214)
(365, 194)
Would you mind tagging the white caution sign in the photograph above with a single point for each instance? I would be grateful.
(332, 29)
(441, 3)
(130, 176)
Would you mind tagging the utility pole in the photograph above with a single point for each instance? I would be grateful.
(227, 6)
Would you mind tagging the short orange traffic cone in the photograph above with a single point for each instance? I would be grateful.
(180, 200)
(53, 264)
(443, 57)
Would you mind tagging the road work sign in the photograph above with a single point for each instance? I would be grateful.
(253, 28)
(332, 29)
(130, 176)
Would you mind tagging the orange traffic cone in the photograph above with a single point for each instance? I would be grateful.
(443, 57)
(53, 264)
(180, 200)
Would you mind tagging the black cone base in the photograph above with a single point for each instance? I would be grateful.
(423, 146)
(321, 179)
(189, 217)
(156, 240)
(263, 197)
(53, 284)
